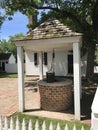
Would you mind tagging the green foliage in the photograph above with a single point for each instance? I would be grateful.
(8, 75)
(4, 46)
(12, 46)
(9, 46)
(47, 120)
(80, 15)
(2, 18)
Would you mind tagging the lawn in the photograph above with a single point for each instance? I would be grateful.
(47, 121)
(8, 75)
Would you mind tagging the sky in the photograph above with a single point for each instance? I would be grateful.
(15, 26)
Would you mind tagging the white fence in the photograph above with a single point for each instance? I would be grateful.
(11, 68)
(95, 69)
(11, 124)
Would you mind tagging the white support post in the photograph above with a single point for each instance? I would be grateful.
(20, 78)
(77, 80)
(40, 65)
(94, 114)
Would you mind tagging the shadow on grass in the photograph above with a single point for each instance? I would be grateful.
(8, 75)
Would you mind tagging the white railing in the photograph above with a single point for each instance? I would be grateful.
(11, 124)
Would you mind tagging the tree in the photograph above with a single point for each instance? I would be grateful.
(12, 46)
(82, 13)
(3, 46)
(9, 46)
(2, 16)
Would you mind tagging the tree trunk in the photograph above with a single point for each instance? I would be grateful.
(90, 61)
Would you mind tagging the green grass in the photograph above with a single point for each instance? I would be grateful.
(8, 75)
(54, 121)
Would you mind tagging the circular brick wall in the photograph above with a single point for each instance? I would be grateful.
(55, 96)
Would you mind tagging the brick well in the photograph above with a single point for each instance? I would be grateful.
(55, 96)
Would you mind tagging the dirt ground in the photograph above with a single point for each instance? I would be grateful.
(9, 97)
(88, 92)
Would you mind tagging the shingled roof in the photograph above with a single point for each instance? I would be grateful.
(52, 28)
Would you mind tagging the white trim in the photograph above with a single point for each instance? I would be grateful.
(48, 44)
(39, 42)
(77, 80)
(20, 79)
(64, 43)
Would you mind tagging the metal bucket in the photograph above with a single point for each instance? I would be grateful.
(50, 77)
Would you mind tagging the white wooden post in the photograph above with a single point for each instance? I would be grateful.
(20, 78)
(77, 80)
(11, 124)
(6, 124)
(51, 126)
(37, 125)
(40, 65)
(17, 124)
(1, 125)
(94, 114)
(30, 125)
